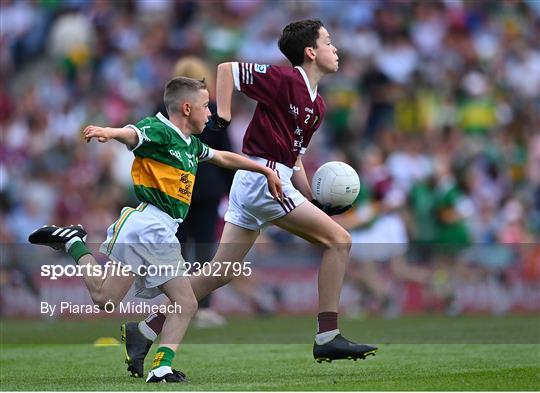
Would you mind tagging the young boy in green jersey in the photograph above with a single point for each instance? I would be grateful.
(166, 157)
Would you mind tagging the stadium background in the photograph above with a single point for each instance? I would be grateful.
(445, 94)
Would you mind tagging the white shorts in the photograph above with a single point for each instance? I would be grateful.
(144, 239)
(250, 203)
(385, 239)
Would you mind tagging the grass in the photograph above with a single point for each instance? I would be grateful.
(267, 363)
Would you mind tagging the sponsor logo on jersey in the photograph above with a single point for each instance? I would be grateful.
(185, 189)
(261, 68)
(294, 110)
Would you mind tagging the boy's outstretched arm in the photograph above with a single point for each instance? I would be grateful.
(229, 160)
(224, 90)
(126, 135)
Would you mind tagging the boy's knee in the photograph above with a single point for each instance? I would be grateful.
(190, 306)
(345, 239)
(104, 302)
(338, 239)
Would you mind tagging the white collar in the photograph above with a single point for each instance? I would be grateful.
(168, 122)
(312, 92)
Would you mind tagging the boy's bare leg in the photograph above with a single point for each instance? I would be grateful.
(234, 245)
(179, 293)
(104, 283)
(183, 308)
(111, 288)
(310, 223)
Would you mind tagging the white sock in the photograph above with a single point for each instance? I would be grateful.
(326, 337)
(146, 331)
(72, 241)
(160, 371)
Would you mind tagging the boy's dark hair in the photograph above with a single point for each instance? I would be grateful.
(179, 88)
(296, 37)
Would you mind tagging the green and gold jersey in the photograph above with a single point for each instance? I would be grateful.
(165, 165)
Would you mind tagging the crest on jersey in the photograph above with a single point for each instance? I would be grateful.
(261, 68)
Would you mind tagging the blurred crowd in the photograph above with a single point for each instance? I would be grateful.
(436, 104)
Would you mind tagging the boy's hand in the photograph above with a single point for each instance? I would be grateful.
(331, 211)
(274, 184)
(216, 123)
(102, 134)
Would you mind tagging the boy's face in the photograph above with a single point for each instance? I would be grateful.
(327, 58)
(199, 114)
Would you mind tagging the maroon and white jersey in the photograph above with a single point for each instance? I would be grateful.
(288, 111)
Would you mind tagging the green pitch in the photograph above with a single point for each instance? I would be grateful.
(284, 363)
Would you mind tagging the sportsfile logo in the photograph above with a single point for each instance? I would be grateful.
(181, 268)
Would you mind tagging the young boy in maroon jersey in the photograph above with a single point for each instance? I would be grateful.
(289, 110)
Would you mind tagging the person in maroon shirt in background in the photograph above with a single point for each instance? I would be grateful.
(289, 110)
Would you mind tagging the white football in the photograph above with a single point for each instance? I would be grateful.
(335, 183)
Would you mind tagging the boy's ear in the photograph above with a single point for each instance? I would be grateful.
(186, 108)
(309, 52)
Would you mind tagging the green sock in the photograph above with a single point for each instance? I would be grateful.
(77, 250)
(164, 357)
